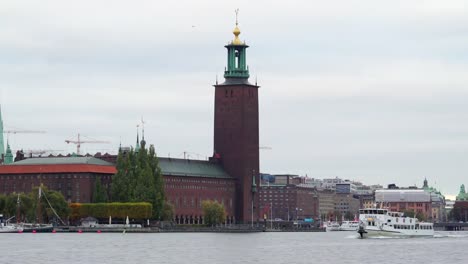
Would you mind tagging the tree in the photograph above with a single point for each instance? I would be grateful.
(168, 211)
(26, 205)
(139, 179)
(411, 213)
(213, 212)
(99, 193)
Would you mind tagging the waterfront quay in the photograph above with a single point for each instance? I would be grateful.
(452, 226)
(185, 229)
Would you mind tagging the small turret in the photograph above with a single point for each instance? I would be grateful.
(8, 155)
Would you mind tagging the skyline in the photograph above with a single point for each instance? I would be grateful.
(367, 91)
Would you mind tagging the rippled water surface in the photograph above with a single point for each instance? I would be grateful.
(332, 247)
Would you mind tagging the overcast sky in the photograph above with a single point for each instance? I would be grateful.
(368, 90)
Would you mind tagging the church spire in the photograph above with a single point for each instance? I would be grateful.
(137, 146)
(143, 142)
(2, 144)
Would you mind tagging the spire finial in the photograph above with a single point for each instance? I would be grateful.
(237, 31)
(142, 128)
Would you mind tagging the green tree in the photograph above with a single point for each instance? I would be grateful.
(52, 204)
(168, 211)
(213, 212)
(139, 179)
(99, 192)
(409, 213)
(26, 205)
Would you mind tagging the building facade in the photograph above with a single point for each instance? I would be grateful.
(288, 202)
(190, 182)
(74, 177)
(400, 200)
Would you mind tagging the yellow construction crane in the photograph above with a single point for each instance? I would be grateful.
(79, 142)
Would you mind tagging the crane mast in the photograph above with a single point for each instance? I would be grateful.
(78, 143)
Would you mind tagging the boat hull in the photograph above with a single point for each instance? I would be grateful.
(38, 229)
(390, 233)
(11, 230)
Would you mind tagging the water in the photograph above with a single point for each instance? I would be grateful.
(332, 247)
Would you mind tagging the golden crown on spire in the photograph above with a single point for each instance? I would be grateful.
(236, 32)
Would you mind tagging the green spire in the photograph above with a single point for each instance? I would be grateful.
(8, 156)
(425, 185)
(137, 146)
(2, 145)
(236, 65)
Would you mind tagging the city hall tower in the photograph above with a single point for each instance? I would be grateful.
(236, 129)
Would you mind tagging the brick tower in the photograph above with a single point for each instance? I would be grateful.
(236, 139)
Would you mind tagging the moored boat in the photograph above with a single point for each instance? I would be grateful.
(382, 222)
(349, 226)
(37, 228)
(332, 226)
(6, 227)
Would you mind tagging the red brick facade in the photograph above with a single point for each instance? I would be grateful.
(187, 193)
(75, 182)
(236, 140)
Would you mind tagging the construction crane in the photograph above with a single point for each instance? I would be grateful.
(31, 152)
(79, 142)
(8, 132)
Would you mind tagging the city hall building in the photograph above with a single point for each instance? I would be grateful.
(229, 177)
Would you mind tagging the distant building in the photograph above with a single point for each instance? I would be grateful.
(345, 188)
(462, 195)
(416, 200)
(438, 212)
(367, 200)
(288, 202)
(326, 202)
(347, 204)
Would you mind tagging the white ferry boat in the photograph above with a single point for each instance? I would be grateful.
(6, 227)
(382, 222)
(349, 226)
(332, 226)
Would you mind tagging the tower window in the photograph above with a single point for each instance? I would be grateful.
(232, 93)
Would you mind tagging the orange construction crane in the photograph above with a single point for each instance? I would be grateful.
(79, 142)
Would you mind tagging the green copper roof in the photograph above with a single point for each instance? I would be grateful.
(8, 155)
(63, 160)
(195, 168)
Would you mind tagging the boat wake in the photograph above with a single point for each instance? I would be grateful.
(451, 235)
